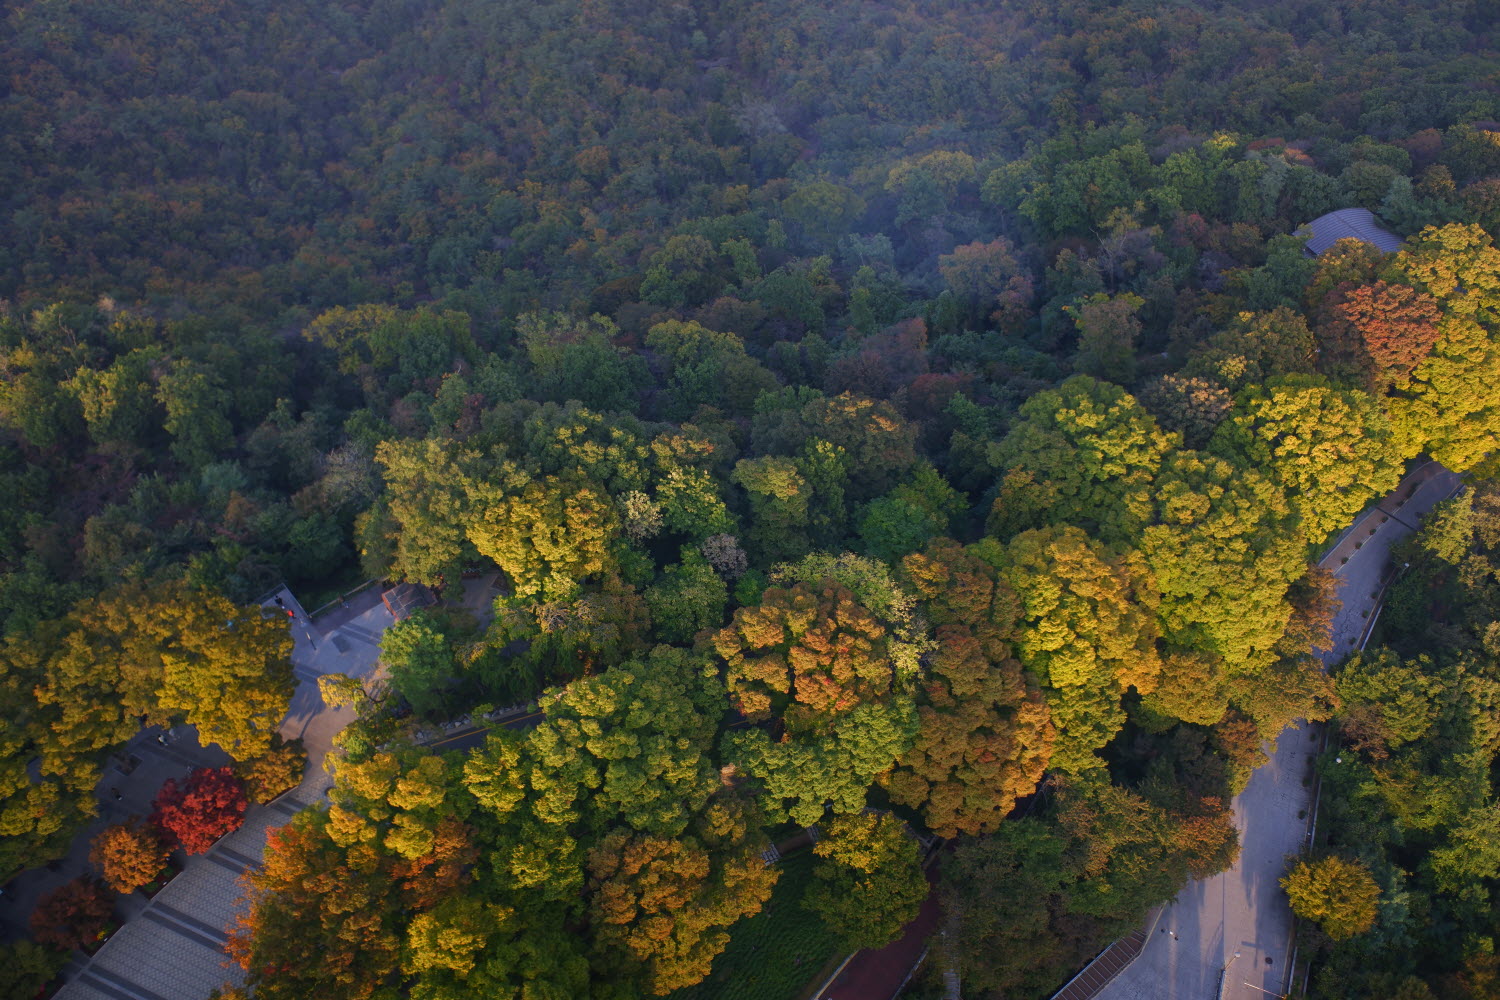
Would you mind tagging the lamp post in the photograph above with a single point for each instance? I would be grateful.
(1224, 975)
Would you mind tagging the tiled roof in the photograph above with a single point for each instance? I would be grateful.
(1349, 223)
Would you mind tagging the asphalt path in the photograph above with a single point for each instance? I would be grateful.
(1237, 926)
(473, 737)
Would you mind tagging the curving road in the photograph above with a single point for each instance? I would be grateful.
(1237, 926)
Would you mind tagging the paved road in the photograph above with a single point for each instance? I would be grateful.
(1238, 923)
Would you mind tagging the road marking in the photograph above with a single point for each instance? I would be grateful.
(501, 724)
(361, 633)
(234, 855)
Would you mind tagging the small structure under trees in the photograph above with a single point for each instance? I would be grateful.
(405, 598)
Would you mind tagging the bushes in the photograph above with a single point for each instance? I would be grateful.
(1339, 895)
(26, 968)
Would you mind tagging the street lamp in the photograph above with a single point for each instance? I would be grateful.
(1224, 975)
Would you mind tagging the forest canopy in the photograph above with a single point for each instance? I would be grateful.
(905, 419)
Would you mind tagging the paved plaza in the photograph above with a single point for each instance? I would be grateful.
(171, 947)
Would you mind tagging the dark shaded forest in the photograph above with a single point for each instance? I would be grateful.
(895, 417)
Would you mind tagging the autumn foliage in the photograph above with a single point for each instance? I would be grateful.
(1337, 893)
(1388, 328)
(205, 807)
(129, 854)
(74, 915)
(276, 771)
(809, 654)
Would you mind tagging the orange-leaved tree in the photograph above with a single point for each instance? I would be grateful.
(129, 854)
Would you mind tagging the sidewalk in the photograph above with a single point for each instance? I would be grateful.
(149, 763)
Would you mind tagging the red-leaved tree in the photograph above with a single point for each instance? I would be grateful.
(209, 804)
(74, 915)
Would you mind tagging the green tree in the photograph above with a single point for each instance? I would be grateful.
(419, 662)
(26, 968)
(799, 779)
(868, 884)
(1296, 429)
(779, 497)
(1254, 347)
(629, 745)
(688, 598)
(686, 271)
(577, 359)
(196, 405)
(1187, 405)
(562, 639)
(1108, 329)
(548, 535)
(117, 402)
(1085, 454)
(1387, 702)
(1087, 632)
(407, 344)
(1337, 894)
(1003, 889)
(1223, 549)
(879, 444)
(821, 211)
(909, 516)
(706, 368)
(428, 506)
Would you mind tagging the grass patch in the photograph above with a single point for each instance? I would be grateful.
(773, 954)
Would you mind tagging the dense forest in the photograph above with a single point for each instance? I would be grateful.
(897, 417)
